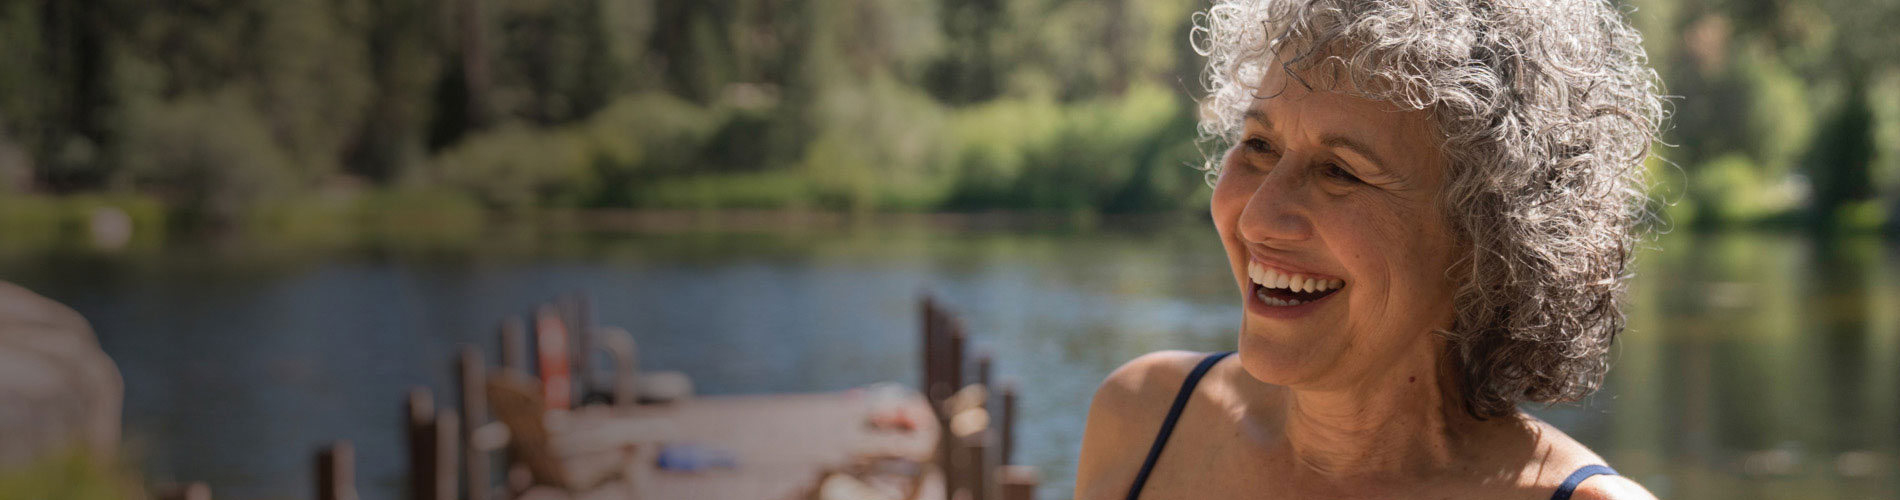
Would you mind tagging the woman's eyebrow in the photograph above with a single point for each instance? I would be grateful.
(1330, 140)
(1259, 116)
(1347, 143)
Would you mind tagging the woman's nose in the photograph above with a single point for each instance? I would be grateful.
(1278, 210)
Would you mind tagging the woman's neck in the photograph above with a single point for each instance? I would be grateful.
(1401, 423)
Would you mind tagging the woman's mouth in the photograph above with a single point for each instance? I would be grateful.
(1278, 288)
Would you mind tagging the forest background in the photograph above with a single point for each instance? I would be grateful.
(326, 116)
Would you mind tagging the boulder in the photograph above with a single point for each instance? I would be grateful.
(59, 392)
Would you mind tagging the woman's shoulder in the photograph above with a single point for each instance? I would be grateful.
(1148, 377)
(1562, 456)
(1124, 416)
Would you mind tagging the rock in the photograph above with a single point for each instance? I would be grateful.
(58, 391)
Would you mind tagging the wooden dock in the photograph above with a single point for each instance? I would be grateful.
(645, 436)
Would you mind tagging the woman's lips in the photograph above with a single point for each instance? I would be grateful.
(1279, 287)
(1282, 294)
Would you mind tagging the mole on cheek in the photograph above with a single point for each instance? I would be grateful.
(1411, 379)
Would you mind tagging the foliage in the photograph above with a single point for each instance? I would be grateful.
(213, 154)
(38, 221)
(236, 109)
(67, 476)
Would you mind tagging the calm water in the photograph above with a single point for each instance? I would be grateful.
(1756, 366)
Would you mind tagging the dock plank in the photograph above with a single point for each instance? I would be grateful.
(781, 444)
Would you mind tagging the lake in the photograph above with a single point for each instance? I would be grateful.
(1756, 365)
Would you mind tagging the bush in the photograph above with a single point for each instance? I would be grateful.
(878, 146)
(213, 155)
(516, 167)
(1731, 190)
(669, 133)
(1088, 155)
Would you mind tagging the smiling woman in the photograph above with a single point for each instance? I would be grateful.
(1428, 209)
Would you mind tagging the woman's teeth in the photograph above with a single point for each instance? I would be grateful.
(1268, 277)
(1262, 295)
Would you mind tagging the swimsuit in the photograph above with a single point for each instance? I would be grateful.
(1187, 388)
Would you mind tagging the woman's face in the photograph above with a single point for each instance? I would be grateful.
(1328, 209)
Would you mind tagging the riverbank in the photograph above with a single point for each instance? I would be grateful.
(439, 220)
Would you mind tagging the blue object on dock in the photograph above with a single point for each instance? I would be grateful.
(694, 458)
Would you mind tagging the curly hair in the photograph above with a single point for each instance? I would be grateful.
(1547, 110)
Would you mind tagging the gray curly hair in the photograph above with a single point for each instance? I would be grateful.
(1547, 109)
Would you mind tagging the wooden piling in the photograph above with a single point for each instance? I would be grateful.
(1005, 454)
(953, 365)
(971, 456)
(954, 353)
(581, 327)
(420, 408)
(932, 348)
(514, 357)
(514, 347)
(983, 361)
(336, 472)
(569, 313)
(473, 381)
(432, 448)
(1017, 482)
(442, 475)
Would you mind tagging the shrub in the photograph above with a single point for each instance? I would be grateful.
(213, 155)
(515, 167)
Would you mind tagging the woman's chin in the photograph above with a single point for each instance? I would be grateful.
(1275, 356)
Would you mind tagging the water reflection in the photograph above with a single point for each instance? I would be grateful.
(1756, 365)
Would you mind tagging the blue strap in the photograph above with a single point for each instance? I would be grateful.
(1576, 478)
(1174, 413)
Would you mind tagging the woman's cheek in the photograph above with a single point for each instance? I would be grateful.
(1229, 190)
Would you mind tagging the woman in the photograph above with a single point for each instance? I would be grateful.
(1428, 208)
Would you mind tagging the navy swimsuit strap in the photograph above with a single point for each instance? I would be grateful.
(1576, 478)
(1174, 413)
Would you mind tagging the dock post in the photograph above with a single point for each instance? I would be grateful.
(983, 361)
(1018, 482)
(336, 472)
(955, 352)
(583, 331)
(972, 473)
(422, 446)
(443, 475)
(473, 379)
(936, 388)
(954, 374)
(1007, 427)
(932, 350)
(514, 347)
(568, 307)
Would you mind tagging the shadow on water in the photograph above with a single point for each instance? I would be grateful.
(1756, 365)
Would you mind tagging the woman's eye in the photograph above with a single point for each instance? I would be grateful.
(1257, 146)
(1338, 173)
